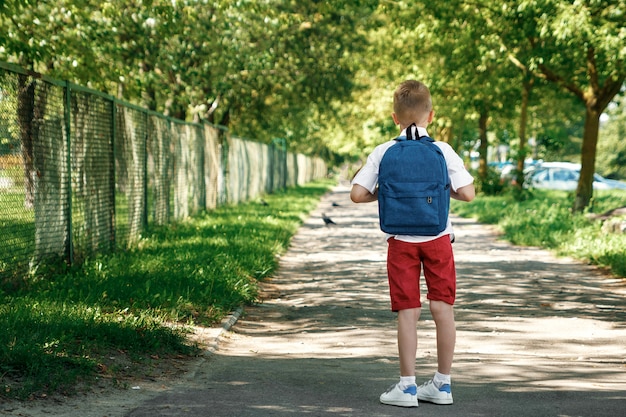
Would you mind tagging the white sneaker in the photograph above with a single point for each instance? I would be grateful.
(429, 393)
(401, 398)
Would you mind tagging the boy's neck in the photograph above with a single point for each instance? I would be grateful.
(422, 125)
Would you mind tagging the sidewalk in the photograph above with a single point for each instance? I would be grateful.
(536, 335)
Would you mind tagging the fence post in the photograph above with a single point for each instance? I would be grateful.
(113, 173)
(144, 212)
(69, 241)
(225, 167)
(282, 142)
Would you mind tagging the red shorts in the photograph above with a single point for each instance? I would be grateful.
(404, 261)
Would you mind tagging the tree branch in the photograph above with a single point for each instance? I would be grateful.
(213, 107)
(550, 75)
(592, 70)
(612, 86)
(518, 63)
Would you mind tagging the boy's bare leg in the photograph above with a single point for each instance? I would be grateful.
(407, 340)
(443, 314)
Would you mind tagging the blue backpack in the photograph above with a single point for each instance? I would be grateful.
(413, 188)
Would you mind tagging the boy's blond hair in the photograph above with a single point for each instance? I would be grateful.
(412, 102)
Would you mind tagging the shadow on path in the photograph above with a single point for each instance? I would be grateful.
(537, 336)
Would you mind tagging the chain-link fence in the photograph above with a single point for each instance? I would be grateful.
(82, 173)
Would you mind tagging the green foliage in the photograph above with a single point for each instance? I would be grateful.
(558, 126)
(604, 249)
(62, 328)
(9, 134)
(264, 69)
(612, 146)
(492, 184)
(321, 74)
(545, 219)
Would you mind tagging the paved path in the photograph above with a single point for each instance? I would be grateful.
(537, 336)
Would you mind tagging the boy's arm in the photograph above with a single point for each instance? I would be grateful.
(360, 194)
(465, 193)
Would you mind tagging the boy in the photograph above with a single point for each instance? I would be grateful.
(412, 105)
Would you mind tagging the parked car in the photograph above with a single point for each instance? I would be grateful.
(507, 170)
(564, 176)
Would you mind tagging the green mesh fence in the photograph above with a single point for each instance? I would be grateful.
(160, 168)
(92, 183)
(82, 173)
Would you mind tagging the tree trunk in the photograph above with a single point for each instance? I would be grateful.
(521, 156)
(148, 98)
(484, 144)
(52, 214)
(457, 141)
(44, 160)
(26, 118)
(148, 93)
(584, 191)
(445, 134)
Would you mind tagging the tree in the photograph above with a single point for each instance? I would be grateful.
(284, 62)
(321, 75)
(579, 47)
(259, 68)
(27, 41)
(471, 72)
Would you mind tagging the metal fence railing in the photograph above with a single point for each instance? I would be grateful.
(83, 173)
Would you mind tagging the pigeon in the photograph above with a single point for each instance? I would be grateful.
(327, 220)
(263, 202)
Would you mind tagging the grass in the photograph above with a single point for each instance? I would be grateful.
(545, 219)
(60, 328)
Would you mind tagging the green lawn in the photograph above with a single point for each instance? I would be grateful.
(59, 328)
(545, 219)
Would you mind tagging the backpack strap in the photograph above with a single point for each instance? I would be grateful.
(409, 135)
(409, 132)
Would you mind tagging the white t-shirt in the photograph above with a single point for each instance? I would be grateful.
(367, 177)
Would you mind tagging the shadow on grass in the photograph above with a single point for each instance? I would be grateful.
(60, 327)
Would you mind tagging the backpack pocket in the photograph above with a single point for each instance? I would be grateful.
(412, 208)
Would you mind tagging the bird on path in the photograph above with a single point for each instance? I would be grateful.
(335, 204)
(327, 220)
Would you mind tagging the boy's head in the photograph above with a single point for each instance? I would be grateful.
(412, 104)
